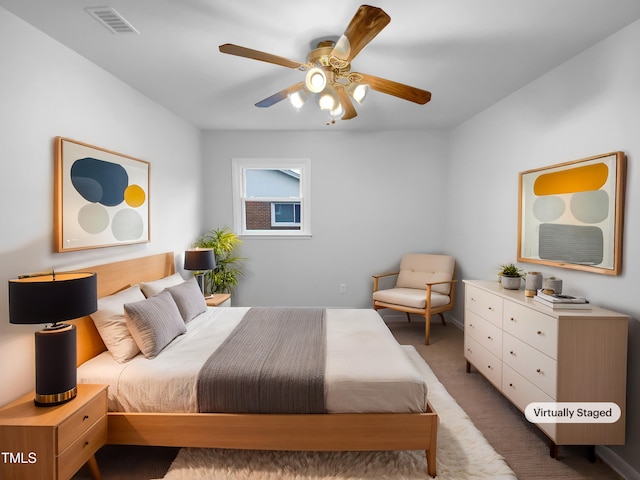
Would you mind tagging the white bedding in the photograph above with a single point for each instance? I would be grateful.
(366, 370)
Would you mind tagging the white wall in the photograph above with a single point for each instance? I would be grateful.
(47, 90)
(374, 196)
(587, 106)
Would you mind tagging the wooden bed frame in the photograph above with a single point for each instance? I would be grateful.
(315, 432)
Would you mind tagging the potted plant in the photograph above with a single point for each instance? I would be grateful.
(510, 276)
(224, 277)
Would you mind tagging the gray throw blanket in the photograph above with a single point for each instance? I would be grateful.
(272, 362)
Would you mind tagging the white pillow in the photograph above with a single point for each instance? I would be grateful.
(153, 288)
(189, 299)
(110, 322)
(154, 323)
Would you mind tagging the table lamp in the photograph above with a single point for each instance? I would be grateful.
(52, 298)
(200, 260)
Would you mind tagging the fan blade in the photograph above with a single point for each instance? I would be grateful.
(345, 101)
(262, 56)
(281, 95)
(364, 26)
(396, 89)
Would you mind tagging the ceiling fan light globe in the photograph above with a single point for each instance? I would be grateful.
(327, 101)
(315, 80)
(359, 92)
(337, 111)
(297, 99)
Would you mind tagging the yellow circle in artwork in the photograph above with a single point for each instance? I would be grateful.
(134, 196)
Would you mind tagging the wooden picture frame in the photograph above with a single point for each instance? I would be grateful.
(570, 215)
(101, 197)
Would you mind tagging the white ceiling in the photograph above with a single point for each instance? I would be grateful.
(468, 53)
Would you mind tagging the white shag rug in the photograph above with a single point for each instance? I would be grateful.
(462, 453)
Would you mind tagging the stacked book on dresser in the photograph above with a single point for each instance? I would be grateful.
(562, 302)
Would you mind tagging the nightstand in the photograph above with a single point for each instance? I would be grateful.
(219, 300)
(52, 443)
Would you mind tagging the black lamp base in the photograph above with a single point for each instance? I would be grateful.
(56, 380)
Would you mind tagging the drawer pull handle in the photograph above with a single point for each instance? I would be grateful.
(489, 337)
(512, 319)
(511, 385)
(490, 308)
(86, 417)
(539, 332)
(511, 352)
(86, 444)
(538, 370)
(489, 367)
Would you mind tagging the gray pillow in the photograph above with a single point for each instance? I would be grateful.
(154, 323)
(155, 287)
(189, 299)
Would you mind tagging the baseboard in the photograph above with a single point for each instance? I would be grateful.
(620, 466)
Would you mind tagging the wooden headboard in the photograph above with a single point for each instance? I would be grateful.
(113, 277)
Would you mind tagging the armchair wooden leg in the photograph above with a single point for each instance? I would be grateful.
(427, 330)
(408, 316)
(444, 322)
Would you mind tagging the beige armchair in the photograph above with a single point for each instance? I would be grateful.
(425, 286)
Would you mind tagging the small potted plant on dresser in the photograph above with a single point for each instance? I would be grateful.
(510, 276)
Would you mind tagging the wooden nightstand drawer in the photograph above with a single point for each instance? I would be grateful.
(83, 448)
(81, 421)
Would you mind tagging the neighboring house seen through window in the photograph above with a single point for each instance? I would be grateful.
(271, 197)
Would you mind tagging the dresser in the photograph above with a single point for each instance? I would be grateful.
(532, 353)
(52, 443)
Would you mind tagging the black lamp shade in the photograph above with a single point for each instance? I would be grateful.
(52, 298)
(199, 259)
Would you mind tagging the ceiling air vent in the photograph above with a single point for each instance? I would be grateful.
(111, 20)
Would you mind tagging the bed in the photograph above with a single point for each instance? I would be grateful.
(343, 428)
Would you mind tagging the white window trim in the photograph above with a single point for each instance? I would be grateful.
(284, 224)
(238, 168)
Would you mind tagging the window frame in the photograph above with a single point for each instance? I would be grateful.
(238, 171)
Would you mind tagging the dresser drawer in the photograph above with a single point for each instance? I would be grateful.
(532, 327)
(485, 304)
(81, 421)
(535, 366)
(487, 364)
(71, 459)
(521, 392)
(484, 332)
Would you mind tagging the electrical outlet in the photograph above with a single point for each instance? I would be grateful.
(343, 288)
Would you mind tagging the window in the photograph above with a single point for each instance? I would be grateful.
(271, 197)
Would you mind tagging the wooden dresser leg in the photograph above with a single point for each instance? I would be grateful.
(553, 449)
(93, 467)
(591, 453)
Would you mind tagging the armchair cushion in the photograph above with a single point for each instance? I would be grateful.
(418, 269)
(410, 297)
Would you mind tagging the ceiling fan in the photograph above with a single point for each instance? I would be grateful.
(328, 70)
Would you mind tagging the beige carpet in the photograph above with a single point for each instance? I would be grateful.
(463, 453)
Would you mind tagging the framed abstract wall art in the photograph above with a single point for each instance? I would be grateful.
(571, 214)
(101, 197)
